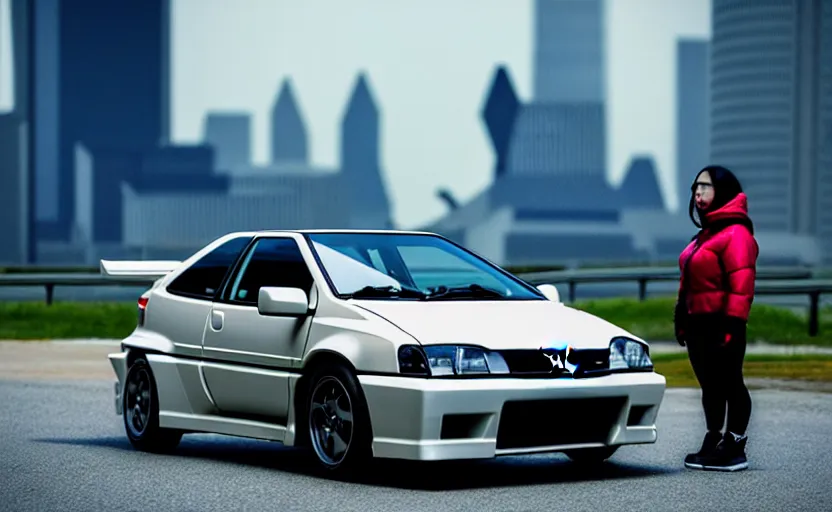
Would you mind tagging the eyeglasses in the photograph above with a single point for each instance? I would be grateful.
(702, 185)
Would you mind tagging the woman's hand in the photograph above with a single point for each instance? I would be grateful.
(733, 328)
(679, 323)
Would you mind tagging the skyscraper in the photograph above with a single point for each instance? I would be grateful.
(569, 51)
(15, 200)
(289, 137)
(360, 160)
(45, 118)
(824, 179)
(692, 114)
(766, 93)
(112, 87)
(563, 130)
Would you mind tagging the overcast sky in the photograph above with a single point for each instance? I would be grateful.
(430, 63)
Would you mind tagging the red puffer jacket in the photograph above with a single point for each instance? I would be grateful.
(719, 266)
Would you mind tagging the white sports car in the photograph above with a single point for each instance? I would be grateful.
(365, 344)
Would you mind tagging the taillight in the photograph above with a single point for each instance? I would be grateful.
(142, 308)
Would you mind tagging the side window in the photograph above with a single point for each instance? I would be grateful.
(203, 278)
(272, 262)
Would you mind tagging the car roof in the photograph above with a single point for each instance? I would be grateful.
(339, 231)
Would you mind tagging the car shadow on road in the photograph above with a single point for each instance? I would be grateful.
(428, 476)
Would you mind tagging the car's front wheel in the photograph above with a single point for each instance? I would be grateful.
(140, 410)
(338, 419)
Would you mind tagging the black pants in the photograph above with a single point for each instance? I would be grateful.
(718, 368)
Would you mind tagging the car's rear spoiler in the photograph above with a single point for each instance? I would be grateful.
(138, 270)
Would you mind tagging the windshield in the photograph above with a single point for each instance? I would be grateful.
(411, 266)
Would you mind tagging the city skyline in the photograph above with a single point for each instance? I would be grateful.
(553, 187)
(420, 153)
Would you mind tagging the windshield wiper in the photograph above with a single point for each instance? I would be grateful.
(473, 291)
(387, 291)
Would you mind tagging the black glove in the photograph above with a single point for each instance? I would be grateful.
(680, 316)
(733, 329)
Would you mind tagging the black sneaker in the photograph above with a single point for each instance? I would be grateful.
(729, 455)
(709, 444)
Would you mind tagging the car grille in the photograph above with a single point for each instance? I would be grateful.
(534, 423)
(534, 363)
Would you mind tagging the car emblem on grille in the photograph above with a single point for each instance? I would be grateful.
(558, 357)
(555, 360)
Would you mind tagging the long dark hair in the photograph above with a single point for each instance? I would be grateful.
(726, 187)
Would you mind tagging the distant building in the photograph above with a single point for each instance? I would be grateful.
(569, 51)
(564, 122)
(558, 139)
(230, 136)
(15, 184)
(287, 194)
(14, 191)
(692, 115)
(824, 133)
(168, 222)
(640, 189)
(769, 85)
(551, 201)
(111, 60)
(290, 141)
(361, 160)
(102, 172)
(46, 136)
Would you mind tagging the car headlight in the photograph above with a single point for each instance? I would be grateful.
(444, 360)
(628, 354)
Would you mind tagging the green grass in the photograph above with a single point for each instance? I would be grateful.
(653, 321)
(61, 320)
(37, 321)
(806, 367)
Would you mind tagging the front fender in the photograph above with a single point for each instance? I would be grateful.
(368, 346)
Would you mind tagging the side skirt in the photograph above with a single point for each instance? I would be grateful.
(222, 425)
(187, 404)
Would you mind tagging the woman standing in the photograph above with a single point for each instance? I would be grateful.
(715, 296)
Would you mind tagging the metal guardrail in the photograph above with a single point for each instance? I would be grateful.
(814, 288)
(50, 281)
(770, 281)
(642, 275)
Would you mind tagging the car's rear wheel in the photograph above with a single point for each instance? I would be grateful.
(140, 410)
(591, 455)
(338, 420)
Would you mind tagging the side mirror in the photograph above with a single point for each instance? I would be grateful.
(550, 291)
(282, 301)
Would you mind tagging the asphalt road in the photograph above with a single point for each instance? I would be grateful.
(62, 448)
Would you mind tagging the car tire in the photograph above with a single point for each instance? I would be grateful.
(591, 455)
(140, 411)
(337, 420)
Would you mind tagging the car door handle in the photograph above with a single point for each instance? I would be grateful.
(217, 318)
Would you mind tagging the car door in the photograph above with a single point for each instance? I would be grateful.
(249, 356)
(186, 302)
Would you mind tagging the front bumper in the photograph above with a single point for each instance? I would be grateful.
(440, 419)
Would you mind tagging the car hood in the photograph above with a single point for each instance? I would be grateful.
(497, 324)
